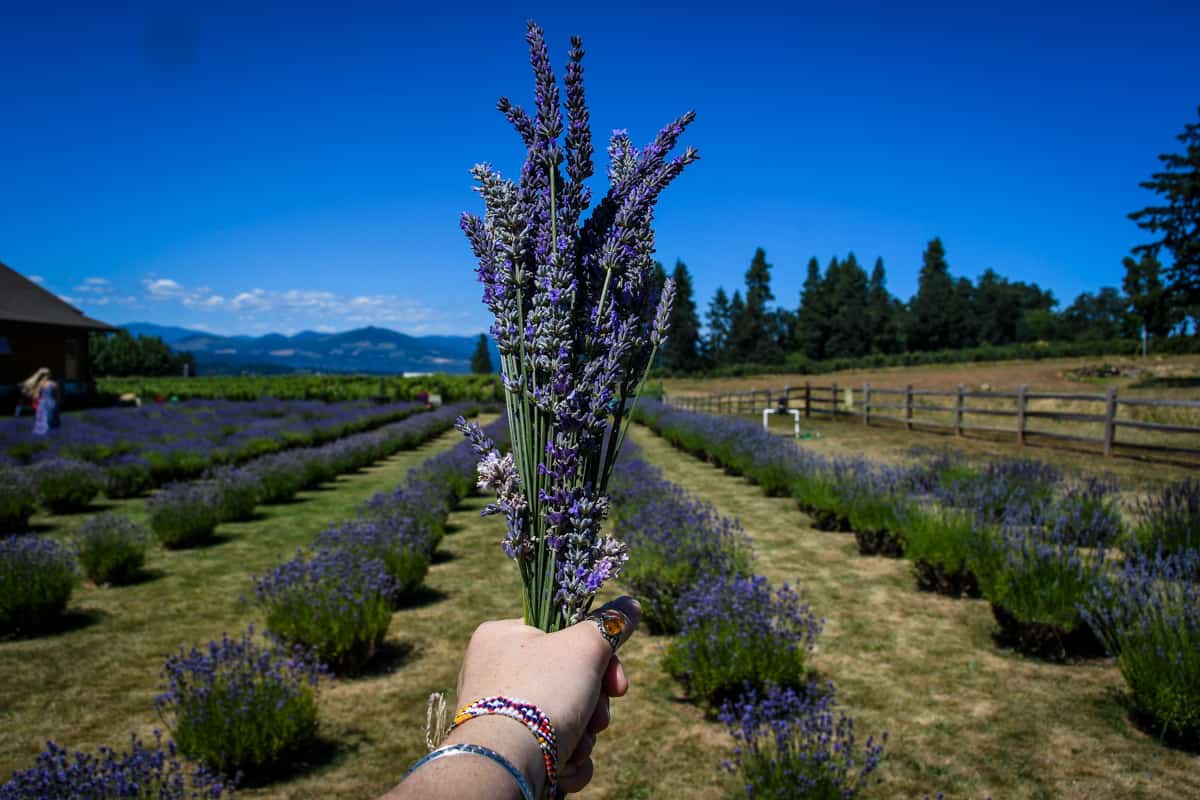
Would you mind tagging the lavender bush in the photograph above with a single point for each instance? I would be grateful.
(937, 539)
(675, 541)
(796, 744)
(64, 485)
(337, 603)
(1170, 520)
(18, 501)
(1036, 578)
(405, 550)
(37, 576)
(139, 774)
(237, 491)
(127, 476)
(1148, 614)
(239, 705)
(184, 514)
(112, 548)
(577, 326)
(737, 633)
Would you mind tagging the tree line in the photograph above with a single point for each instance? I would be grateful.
(846, 312)
(121, 354)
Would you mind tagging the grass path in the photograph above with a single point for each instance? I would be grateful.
(964, 718)
(95, 682)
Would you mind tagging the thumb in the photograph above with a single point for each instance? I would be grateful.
(603, 631)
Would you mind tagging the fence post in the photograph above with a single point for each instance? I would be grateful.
(807, 399)
(1022, 403)
(958, 411)
(833, 397)
(866, 412)
(1110, 421)
(787, 397)
(908, 409)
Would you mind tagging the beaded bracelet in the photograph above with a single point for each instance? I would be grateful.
(478, 750)
(528, 715)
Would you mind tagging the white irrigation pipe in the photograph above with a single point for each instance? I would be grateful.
(795, 412)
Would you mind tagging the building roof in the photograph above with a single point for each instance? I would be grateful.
(22, 300)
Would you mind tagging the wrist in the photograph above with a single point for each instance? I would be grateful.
(510, 739)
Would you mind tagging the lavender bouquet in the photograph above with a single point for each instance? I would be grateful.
(578, 320)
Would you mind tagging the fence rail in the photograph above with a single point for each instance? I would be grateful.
(916, 411)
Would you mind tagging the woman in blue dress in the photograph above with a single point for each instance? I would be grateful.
(43, 391)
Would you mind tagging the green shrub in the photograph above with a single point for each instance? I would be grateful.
(184, 514)
(129, 478)
(18, 500)
(240, 705)
(112, 549)
(64, 485)
(37, 576)
(937, 540)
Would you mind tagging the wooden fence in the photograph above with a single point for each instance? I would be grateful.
(920, 408)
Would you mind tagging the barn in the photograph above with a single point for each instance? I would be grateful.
(38, 329)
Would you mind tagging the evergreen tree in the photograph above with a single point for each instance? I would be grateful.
(720, 325)
(682, 349)
(881, 312)
(846, 293)
(741, 335)
(811, 318)
(1177, 221)
(481, 359)
(758, 342)
(122, 354)
(1148, 297)
(932, 308)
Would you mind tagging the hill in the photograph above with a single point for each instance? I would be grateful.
(362, 350)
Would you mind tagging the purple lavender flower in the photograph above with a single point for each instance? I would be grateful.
(109, 775)
(577, 324)
(37, 576)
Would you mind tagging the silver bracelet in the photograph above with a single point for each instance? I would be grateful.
(474, 749)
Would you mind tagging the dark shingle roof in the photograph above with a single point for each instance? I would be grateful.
(22, 300)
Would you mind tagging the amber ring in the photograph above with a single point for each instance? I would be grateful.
(613, 625)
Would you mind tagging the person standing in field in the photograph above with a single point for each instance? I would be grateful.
(42, 391)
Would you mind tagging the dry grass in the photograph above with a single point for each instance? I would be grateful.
(964, 717)
(1175, 378)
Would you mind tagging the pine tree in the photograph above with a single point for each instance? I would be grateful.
(880, 312)
(682, 349)
(811, 318)
(1177, 222)
(1149, 299)
(849, 324)
(481, 360)
(741, 340)
(759, 343)
(720, 325)
(930, 325)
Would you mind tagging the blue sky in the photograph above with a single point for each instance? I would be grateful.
(289, 168)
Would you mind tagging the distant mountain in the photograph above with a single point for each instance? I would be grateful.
(374, 350)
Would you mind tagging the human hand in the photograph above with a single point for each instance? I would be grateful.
(570, 675)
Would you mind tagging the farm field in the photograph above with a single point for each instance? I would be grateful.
(964, 718)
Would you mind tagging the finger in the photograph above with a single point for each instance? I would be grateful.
(601, 716)
(574, 777)
(583, 749)
(614, 683)
(617, 620)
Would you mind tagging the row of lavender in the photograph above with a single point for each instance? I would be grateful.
(125, 452)
(240, 706)
(38, 573)
(742, 646)
(1067, 576)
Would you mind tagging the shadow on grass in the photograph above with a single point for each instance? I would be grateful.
(71, 620)
(204, 544)
(320, 753)
(453, 527)
(1118, 705)
(422, 597)
(138, 578)
(390, 657)
(442, 557)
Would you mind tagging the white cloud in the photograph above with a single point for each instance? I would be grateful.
(38, 279)
(162, 288)
(97, 281)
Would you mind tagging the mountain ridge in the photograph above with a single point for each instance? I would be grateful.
(369, 349)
